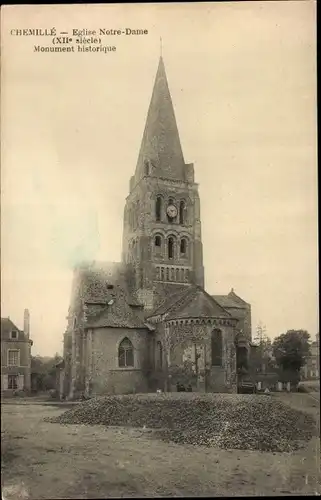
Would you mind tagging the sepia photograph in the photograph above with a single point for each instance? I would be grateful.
(159, 250)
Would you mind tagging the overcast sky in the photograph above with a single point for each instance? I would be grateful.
(243, 83)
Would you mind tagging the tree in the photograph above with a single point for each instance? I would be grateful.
(262, 358)
(291, 349)
(184, 373)
(43, 372)
(261, 335)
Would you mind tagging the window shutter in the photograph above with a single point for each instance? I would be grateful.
(21, 382)
(5, 382)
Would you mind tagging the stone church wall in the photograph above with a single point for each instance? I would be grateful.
(244, 319)
(180, 347)
(104, 376)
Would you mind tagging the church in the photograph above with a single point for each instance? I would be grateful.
(147, 323)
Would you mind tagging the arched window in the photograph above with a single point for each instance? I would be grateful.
(158, 241)
(159, 355)
(158, 208)
(217, 347)
(146, 165)
(183, 247)
(158, 244)
(171, 247)
(182, 209)
(125, 353)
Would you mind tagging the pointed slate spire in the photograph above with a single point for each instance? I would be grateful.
(161, 152)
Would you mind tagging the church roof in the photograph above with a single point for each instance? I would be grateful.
(230, 301)
(98, 280)
(117, 315)
(103, 284)
(161, 143)
(193, 302)
(226, 301)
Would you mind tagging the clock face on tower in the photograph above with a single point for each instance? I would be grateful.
(171, 211)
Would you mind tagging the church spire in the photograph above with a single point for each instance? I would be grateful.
(161, 152)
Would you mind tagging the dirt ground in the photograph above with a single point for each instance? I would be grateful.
(41, 460)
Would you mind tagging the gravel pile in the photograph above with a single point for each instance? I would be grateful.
(227, 421)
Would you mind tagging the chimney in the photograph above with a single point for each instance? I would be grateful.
(26, 322)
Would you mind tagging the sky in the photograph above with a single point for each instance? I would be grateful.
(243, 82)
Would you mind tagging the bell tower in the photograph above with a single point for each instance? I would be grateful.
(162, 241)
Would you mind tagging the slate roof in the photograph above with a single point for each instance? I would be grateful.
(192, 302)
(7, 325)
(226, 301)
(99, 284)
(230, 301)
(161, 143)
(117, 315)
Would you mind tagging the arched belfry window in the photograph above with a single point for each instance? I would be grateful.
(158, 241)
(217, 348)
(158, 208)
(126, 353)
(171, 247)
(158, 244)
(182, 212)
(183, 247)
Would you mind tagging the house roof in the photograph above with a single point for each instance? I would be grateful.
(192, 302)
(7, 326)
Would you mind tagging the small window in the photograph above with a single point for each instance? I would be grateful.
(183, 247)
(158, 241)
(126, 354)
(13, 358)
(158, 208)
(14, 334)
(170, 248)
(146, 165)
(182, 210)
(12, 381)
